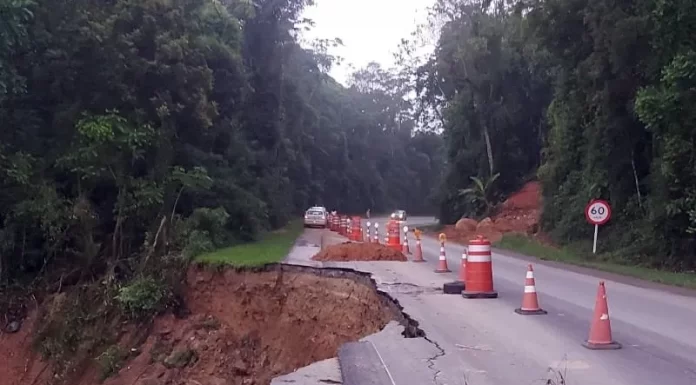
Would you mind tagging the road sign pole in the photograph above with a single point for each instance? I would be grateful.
(594, 244)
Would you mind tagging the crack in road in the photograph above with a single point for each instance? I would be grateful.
(431, 360)
(405, 288)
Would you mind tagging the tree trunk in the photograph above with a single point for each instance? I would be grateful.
(635, 178)
(489, 151)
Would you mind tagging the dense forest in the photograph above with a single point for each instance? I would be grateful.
(592, 97)
(129, 128)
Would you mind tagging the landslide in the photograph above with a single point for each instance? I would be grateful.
(519, 213)
(233, 327)
(352, 251)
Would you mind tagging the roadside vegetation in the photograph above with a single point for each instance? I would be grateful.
(136, 136)
(271, 247)
(580, 254)
(590, 97)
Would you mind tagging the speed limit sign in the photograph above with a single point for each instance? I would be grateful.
(598, 212)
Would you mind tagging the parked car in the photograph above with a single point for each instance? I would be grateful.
(315, 217)
(399, 215)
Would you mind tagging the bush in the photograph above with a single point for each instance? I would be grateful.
(143, 297)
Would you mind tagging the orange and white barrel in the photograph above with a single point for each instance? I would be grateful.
(479, 269)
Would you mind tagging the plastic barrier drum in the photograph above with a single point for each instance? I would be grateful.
(344, 225)
(479, 270)
(335, 220)
(393, 235)
(356, 229)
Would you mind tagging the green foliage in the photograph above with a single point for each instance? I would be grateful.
(480, 193)
(143, 297)
(206, 231)
(135, 111)
(271, 247)
(591, 96)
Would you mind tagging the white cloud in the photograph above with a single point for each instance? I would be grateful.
(370, 29)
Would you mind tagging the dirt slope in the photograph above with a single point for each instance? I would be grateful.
(240, 328)
(518, 214)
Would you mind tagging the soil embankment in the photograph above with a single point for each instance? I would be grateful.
(356, 251)
(238, 327)
(518, 214)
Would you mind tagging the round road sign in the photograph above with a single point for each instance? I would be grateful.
(598, 212)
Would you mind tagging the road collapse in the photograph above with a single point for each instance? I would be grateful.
(236, 326)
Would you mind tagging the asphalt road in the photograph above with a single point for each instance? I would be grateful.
(487, 343)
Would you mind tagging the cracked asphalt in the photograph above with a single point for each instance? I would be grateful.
(482, 341)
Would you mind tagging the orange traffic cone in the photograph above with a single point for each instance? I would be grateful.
(418, 254)
(600, 330)
(442, 262)
(530, 302)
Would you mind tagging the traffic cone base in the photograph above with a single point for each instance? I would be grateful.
(531, 312)
(613, 345)
(443, 270)
(478, 294)
(455, 287)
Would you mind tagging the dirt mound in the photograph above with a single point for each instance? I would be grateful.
(350, 251)
(527, 198)
(239, 328)
(518, 214)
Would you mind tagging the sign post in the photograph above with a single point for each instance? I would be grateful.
(597, 212)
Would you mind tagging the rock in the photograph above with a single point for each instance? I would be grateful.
(465, 224)
(13, 327)
(180, 358)
(485, 224)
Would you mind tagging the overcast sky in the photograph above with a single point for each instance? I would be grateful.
(370, 29)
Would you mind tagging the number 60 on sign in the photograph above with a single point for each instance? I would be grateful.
(598, 212)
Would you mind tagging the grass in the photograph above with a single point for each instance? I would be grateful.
(271, 247)
(570, 255)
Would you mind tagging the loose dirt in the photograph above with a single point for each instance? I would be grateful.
(518, 214)
(240, 327)
(350, 251)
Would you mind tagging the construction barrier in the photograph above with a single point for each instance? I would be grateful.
(349, 229)
(479, 270)
(344, 226)
(377, 233)
(530, 301)
(405, 250)
(393, 238)
(356, 230)
(600, 330)
(418, 256)
(367, 232)
(442, 260)
(335, 221)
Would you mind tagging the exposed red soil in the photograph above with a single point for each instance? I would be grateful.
(19, 364)
(518, 214)
(350, 251)
(244, 328)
